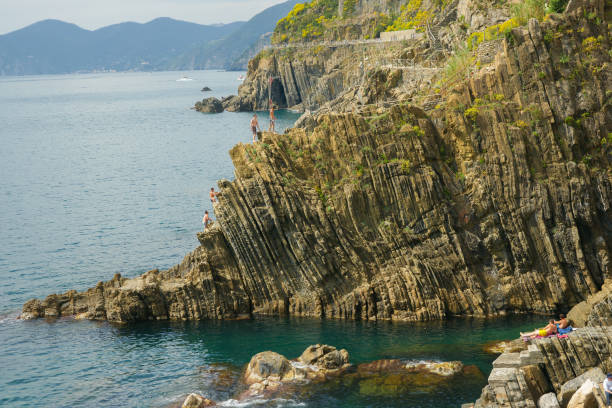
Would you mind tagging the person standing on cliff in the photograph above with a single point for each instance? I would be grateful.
(206, 219)
(272, 118)
(213, 195)
(254, 127)
(607, 386)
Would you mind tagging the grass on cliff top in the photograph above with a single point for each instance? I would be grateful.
(461, 62)
(305, 22)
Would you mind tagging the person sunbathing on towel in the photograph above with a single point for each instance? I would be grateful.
(551, 328)
(562, 323)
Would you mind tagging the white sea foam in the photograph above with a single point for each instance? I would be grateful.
(261, 402)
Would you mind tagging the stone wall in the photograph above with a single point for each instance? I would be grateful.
(400, 35)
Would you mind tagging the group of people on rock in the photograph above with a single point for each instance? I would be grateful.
(213, 199)
(206, 220)
(255, 123)
(560, 326)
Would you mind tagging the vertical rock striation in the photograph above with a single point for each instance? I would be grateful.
(496, 201)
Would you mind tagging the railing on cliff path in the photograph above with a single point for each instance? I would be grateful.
(330, 44)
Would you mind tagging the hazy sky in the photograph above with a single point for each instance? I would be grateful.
(91, 14)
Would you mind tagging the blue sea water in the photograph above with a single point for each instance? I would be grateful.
(107, 173)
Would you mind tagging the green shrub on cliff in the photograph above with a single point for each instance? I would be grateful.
(524, 10)
(307, 21)
(411, 16)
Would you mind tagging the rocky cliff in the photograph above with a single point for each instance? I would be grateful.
(555, 372)
(496, 200)
(550, 372)
(305, 75)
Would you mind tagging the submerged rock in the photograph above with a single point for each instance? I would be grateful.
(206, 89)
(396, 377)
(499, 347)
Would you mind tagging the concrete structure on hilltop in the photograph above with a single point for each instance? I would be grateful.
(410, 34)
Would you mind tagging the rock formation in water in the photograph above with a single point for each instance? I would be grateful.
(209, 105)
(270, 375)
(491, 195)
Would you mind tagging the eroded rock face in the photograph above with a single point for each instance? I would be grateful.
(595, 311)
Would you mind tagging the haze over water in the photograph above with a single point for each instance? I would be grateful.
(109, 173)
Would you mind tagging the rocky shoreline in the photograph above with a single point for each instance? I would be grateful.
(557, 372)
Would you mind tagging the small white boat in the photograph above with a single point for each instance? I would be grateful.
(241, 78)
(184, 79)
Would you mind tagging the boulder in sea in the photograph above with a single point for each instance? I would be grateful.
(209, 105)
(268, 372)
(271, 366)
(324, 357)
(197, 401)
(206, 89)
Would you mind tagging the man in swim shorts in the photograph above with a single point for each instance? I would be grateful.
(272, 119)
(254, 127)
(206, 219)
(213, 195)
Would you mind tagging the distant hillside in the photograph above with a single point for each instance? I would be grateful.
(230, 52)
(56, 47)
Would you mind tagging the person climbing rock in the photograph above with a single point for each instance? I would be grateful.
(607, 386)
(254, 127)
(213, 195)
(272, 119)
(206, 219)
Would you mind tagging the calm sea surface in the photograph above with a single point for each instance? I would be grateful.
(108, 173)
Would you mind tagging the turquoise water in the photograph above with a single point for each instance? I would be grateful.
(109, 173)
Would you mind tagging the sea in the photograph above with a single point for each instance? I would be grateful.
(109, 173)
